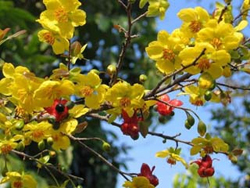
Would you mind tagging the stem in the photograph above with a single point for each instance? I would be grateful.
(98, 155)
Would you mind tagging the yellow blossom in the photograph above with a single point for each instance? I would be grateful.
(172, 155)
(212, 61)
(8, 144)
(18, 180)
(222, 36)
(89, 86)
(138, 182)
(165, 52)
(61, 141)
(62, 16)
(37, 131)
(196, 95)
(59, 44)
(50, 90)
(193, 19)
(123, 96)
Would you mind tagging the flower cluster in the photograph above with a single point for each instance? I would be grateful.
(59, 21)
(201, 35)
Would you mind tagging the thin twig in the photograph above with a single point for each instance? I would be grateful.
(139, 17)
(99, 156)
(68, 176)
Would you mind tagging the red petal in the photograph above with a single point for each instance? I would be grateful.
(176, 102)
(165, 98)
(145, 170)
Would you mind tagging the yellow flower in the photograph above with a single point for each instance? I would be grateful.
(22, 91)
(61, 141)
(59, 44)
(123, 96)
(194, 20)
(165, 52)
(212, 61)
(8, 144)
(21, 84)
(18, 180)
(89, 86)
(173, 156)
(222, 36)
(157, 8)
(138, 182)
(50, 90)
(62, 16)
(196, 95)
(37, 131)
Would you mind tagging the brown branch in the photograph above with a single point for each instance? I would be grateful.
(125, 45)
(99, 156)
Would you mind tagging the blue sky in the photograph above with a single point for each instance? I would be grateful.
(144, 149)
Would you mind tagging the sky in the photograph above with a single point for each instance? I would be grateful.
(144, 149)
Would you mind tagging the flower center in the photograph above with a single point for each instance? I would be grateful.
(124, 102)
(216, 43)
(203, 64)
(168, 54)
(17, 184)
(87, 91)
(198, 102)
(37, 134)
(49, 38)
(195, 26)
(61, 15)
(6, 149)
(171, 161)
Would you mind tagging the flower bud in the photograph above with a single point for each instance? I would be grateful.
(143, 78)
(75, 48)
(41, 145)
(208, 95)
(19, 125)
(201, 128)
(52, 154)
(50, 141)
(106, 146)
(187, 125)
(190, 119)
(111, 69)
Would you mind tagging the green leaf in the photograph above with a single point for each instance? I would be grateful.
(195, 149)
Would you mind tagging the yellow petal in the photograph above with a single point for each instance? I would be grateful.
(162, 154)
